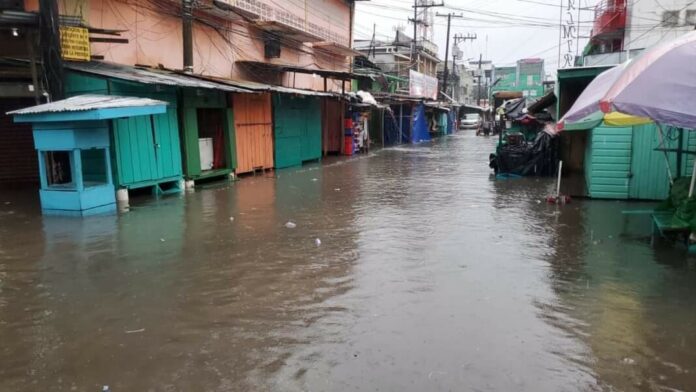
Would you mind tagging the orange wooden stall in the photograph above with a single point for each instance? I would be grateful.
(253, 126)
(332, 118)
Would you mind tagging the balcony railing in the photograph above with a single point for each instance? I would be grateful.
(428, 46)
(264, 12)
(610, 17)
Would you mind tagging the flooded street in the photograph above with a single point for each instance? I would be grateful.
(429, 276)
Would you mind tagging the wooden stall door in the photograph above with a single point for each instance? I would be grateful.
(253, 130)
(332, 117)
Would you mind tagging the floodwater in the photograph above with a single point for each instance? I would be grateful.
(430, 276)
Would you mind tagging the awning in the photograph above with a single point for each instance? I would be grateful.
(474, 107)
(339, 75)
(438, 106)
(452, 100)
(548, 100)
(508, 94)
(148, 75)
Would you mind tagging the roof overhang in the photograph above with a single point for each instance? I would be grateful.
(337, 49)
(150, 76)
(255, 87)
(582, 72)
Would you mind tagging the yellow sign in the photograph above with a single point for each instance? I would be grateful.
(74, 43)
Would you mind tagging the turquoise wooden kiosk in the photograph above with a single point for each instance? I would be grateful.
(72, 139)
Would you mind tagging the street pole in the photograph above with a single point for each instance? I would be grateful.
(49, 42)
(416, 22)
(449, 25)
(457, 39)
(479, 79)
(415, 31)
(444, 77)
(187, 36)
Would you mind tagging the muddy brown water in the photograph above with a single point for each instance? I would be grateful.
(430, 276)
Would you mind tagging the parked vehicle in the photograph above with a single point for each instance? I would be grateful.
(470, 121)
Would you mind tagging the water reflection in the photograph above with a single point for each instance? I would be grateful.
(430, 275)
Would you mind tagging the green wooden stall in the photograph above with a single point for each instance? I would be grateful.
(207, 113)
(146, 150)
(297, 129)
(628, 162)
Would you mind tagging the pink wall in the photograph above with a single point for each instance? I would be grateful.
(155, 37)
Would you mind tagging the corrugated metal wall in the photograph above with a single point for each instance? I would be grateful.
(18, 162)
(297, 129)
(689, 145)
(650, 180)
(623, 163)
(254, 131)
(609, 166)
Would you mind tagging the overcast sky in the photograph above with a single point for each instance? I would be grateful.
(507, 30)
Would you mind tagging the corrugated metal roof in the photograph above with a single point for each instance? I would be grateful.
(259, 87)
(88, 102)
(171, 78)
(148, 76)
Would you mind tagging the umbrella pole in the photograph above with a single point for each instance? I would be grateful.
(662, 143)
(693, 181)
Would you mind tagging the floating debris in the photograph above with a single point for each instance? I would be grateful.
(231, 219)
(317, 241)
(136, 330)
(290, 225)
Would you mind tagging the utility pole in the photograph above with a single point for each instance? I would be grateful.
(372, 43)
(479, 79)
(51, 56)
(457, 39)
(416, 22)
(187, 16)
(449, 17)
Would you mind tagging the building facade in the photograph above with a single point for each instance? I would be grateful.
(622, 29)
(527, 77)
(395, 58)
(461, 81)
(199, 57)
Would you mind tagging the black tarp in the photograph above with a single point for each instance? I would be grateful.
(527, 159)
(514, 108)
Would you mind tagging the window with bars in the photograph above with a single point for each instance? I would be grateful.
(690, 17)
(670, 18)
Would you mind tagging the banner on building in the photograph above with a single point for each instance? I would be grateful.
(421, 85)
(74, 43)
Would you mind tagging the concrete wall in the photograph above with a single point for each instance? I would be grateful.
(155, 37)
(644, 27)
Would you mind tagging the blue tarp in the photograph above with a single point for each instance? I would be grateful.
(450, 121)
(391, 128)
(420, 126)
